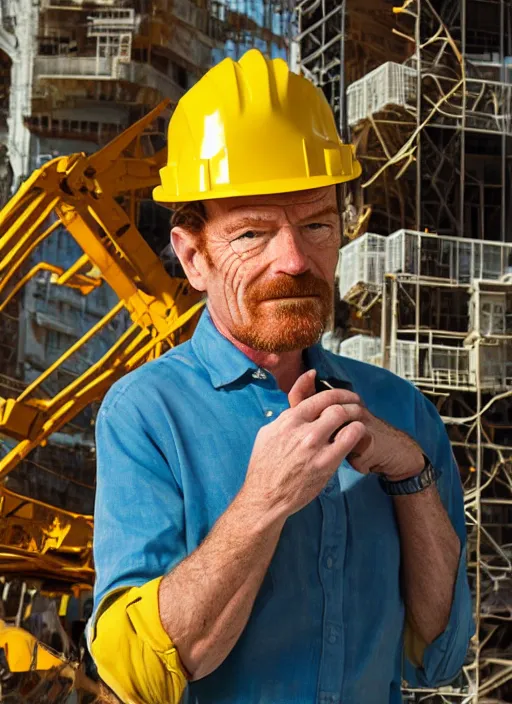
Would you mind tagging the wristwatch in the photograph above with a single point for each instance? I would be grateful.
(428, 476)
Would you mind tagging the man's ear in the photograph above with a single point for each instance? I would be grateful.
(185, 247)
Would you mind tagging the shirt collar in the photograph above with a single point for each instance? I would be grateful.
(225, 363)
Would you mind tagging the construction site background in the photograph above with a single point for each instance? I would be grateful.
(74, 76)
(424, 282)
(424, 89)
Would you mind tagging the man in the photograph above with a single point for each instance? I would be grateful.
(249, 545)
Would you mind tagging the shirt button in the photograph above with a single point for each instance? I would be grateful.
(332, 638)
(269, 414)
(329, 563)
(259, 374)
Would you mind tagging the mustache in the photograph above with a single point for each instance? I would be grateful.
(304, 285)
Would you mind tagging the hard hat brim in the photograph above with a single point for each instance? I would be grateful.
(263, 188)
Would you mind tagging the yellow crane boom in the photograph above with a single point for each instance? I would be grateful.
(82, 194)
(79, 192)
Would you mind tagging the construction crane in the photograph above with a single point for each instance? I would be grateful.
(84, 194)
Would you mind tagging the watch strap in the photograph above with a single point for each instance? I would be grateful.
(412, 485)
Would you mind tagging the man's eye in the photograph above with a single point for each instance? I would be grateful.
(250, 235)
(316, 225)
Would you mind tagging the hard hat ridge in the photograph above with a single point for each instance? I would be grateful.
(261, 80)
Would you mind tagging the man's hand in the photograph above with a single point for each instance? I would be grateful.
(383, 449)
(293, 458)
(386, 450)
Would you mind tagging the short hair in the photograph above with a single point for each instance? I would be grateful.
(191, 216)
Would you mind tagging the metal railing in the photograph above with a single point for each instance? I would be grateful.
(443, 366)
(388, 84)
(73, 66)
(362, 261)
(456, 259)
(146, 75)
(107, 69)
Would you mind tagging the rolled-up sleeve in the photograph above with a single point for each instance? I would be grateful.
(443, 659)
(134, 655)
(138, 538)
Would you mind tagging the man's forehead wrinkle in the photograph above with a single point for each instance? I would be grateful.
(249, 220)
(227, 215)
(274, 213)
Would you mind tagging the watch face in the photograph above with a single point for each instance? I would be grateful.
(413, 485)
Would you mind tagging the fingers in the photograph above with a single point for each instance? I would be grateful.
(311, 408)
(333, 418)
(362, 456)
(303, 388)
(346, 440)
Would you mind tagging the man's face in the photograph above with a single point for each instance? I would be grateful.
(268, 266)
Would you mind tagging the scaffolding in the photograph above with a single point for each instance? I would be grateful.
(425, 92)
(79, 73)
(246, 24)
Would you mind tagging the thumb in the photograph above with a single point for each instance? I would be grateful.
(303, 388)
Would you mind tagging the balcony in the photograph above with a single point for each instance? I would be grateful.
(362, 347)
(389, 84)
(454, 259)
(147, 76)
(490, 310)
(362, 262)
(491, 365)
(107, 69)
(486, 107)
(434, 365)
(488, 365)
(85, 67)
(111, 22)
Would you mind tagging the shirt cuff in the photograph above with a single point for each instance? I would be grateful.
(133, 653)
(444, 657)
(144, 614)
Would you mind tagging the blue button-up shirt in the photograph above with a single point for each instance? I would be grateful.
(174, 439)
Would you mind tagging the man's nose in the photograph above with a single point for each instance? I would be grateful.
(289, 255)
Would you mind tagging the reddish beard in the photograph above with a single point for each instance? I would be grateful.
(276, 325)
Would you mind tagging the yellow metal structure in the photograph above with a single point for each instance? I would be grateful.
(252, 127)
(81, 193)
(31, 672)
(40, 541)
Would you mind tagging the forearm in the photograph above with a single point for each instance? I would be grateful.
(430, 551)
(205, 602)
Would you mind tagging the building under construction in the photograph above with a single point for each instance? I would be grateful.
(424, 89)
(75, 74)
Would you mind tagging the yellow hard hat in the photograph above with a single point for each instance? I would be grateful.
(252, 127)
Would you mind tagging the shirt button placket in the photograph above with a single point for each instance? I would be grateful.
(332, 557)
